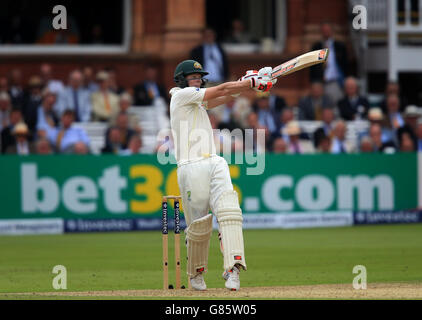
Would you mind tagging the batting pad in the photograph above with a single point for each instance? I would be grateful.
(229, 218)
(198, 236)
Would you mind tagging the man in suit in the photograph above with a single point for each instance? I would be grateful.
(353, 106)
(311, 106)
(22, 146)
(333, 72)
(74, 97)
(296, 145)
(145, 92)
(339, 144)
(212, 57)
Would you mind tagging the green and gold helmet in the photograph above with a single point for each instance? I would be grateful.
(185, 68)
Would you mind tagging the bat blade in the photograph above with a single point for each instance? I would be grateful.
(304, 61)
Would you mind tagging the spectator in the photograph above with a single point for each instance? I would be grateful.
(238, 33)
(266, 117)
(43, 147)
(44, 115)
(411, 115)
(22, 146)
(259, 135)
(366, 145)
(7, 136)
(4, 110)
(16, 91)
(375, 133)
(4, 84)
(311, 106)
(339, 143)
(335, 69)
(146, 91)
(327, 126)
(407, 143)
(212, 57)
(296, 145)
(113, 84)
(105, 104)
(353, 106)
(75, 97)
(125, 133)
(46, 74)
(125, 101)
(113, 141)
(394, 118)
(279, 146)
(285, 117)
(89, 81)
(375, 115)
(324, 144)
(33, 98)
(134, 146)
(392, 88)
(66, 136)
(80, 148)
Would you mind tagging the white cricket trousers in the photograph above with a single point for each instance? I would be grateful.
(201, 182)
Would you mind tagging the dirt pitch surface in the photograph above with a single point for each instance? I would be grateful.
(342, 291)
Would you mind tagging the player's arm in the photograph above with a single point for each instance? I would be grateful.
(227, 89)
(219, 101)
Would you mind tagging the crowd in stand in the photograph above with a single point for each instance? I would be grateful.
(38, 118)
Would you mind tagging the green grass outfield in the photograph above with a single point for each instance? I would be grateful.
(131, 261)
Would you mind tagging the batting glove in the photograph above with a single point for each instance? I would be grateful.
(265, 73)
(259, 84)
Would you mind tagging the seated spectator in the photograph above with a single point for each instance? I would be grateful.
(16, 91)
(266, 116)
(43, 146)
(46, 74)
(66, 136)
(366, 145)
(22, 146)
(4, 84)
(145, 92)
(296, 145)
(238, 34)
(5, 108)
(311, 106)
(327, 126)
(134, 146)
(375, 115)
(407, 143)
(233, 114)
(323, 143)
(419, 135)
(33, 98)
(394, 118)
(285, 117)
(89, 79)
(113, 84)
(75, 97)
(113, 141)
(375, 133)
(353, 106)
(7, 136)
(259, 135)
(392, 88)
(279, 146)
(80, 148)
(125, 133)
(339, 144)
(44, 115)
(125, 101)
(411, 115)
(105, 104)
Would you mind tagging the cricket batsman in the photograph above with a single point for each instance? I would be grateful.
(203, 177)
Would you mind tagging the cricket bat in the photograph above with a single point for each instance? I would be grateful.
(304, 61)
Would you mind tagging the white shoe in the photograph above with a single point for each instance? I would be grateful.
(198, 282)
(232, 279)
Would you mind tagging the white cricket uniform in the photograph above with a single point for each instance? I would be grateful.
(202, 175)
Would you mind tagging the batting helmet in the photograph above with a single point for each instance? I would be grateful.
(185, 68)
